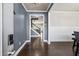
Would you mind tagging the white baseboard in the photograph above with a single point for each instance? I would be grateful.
(57, 41)
(49, 42)
(16, 53)
(63, 41)
(46, 41)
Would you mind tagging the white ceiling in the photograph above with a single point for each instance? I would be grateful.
(37, 6)
(66, 6)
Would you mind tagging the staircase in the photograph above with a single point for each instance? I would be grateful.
(36, 30)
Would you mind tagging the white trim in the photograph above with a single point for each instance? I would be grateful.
(45, 41)
(1, 29)
(24, 6)
(30, 28)
(62, 41)
(16, 53)
(49, 28)
(49, 40)
(30, 24)
(54, 11)
(48, 6)
(35, 11)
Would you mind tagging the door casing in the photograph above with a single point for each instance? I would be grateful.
(43, 25)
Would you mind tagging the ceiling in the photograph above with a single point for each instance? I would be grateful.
(66, 6)
(56, 6)
(36, 6)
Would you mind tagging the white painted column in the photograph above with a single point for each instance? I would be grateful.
(7, 25)
(49, 28)
(0, 29)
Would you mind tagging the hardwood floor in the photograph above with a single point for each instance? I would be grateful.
(54, 49)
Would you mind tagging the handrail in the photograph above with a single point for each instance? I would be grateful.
(39, 29)
(36, 26)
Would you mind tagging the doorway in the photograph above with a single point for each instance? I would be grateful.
(36, 27)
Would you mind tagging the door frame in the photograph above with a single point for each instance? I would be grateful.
(30, 25)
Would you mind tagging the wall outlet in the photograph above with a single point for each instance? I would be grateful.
(19, 43)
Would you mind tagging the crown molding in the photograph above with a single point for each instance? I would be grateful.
(24, 7)
(48, 7)
(35, 11)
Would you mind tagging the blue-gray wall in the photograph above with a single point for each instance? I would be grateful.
(46, 22)
(19, 25)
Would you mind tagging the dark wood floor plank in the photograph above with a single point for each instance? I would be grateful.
(54, 49)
